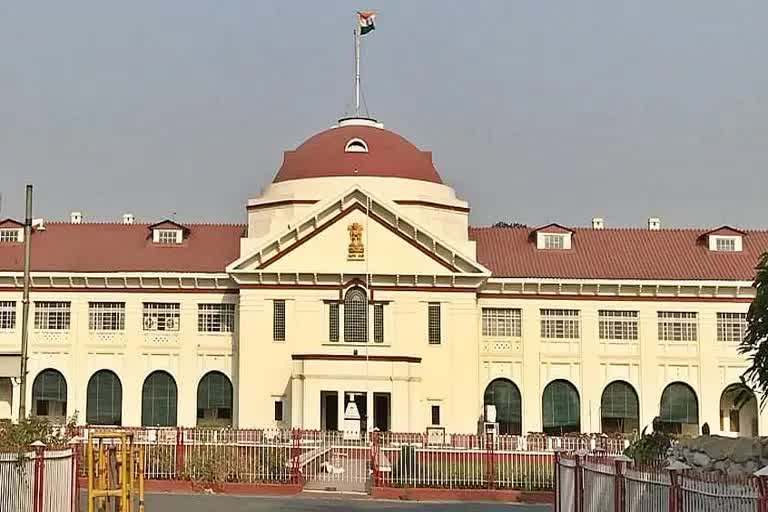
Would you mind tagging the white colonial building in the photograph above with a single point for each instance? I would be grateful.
(358, 278)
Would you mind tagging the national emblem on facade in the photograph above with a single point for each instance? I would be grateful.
(356, 250)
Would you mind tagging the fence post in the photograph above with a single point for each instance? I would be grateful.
(180, 455)
(761, 476)
(578, 491)
(37, 488)
(295, 454)
(556, 480)
(375, 458)
(490, 462)
(74, 445)
(619, 491)
(676, 469)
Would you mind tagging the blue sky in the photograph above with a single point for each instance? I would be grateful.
(535, 111)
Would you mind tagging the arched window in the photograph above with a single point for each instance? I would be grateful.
(619, 411)
(104, 404)
(560, 408)
(214, 400)
(49, 395)
(679, 411)
(506, 397)
(738, 411)
(158, 400)
(356, 316)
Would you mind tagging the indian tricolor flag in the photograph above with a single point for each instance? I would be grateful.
(365, 18)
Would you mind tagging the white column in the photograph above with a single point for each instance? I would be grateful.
(15, 398)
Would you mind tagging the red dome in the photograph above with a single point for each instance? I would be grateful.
(374, 152)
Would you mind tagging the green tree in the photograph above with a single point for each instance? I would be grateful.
(755, 342)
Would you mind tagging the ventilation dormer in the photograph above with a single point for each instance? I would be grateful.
(11, 231)
(724, 239)
(356, 145)
(168, 232)
(553, 237)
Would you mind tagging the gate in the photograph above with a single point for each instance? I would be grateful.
(335, 461)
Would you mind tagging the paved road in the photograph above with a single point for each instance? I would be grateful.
(205, 503)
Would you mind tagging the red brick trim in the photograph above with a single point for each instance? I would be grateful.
(343, 357)
(609, 298)
(273, 204)
(416, 202)
(498, 495)
(227, 291)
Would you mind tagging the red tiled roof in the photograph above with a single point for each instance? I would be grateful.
(125, 248)
(617, 254)
(389, 155)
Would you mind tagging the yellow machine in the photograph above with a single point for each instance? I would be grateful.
(115, 472)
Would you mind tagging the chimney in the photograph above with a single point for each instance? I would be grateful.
(654, 223)
(598, 223)
(128, 218)
(38, 224)
(76, 217)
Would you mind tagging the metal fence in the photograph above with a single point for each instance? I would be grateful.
(38, 481)
(588, 483)
(324, 459)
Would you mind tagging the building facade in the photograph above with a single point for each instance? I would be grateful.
(358, 279)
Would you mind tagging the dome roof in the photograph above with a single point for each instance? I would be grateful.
(357, 147)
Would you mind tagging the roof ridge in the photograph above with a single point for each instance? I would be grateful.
(687, 229)
(147, 224)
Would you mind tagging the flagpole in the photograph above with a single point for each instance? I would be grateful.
(357, 67)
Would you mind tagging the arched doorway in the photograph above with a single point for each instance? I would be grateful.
(104, 404)
(159, 398)
(214, 401)
(6, 398)
(561, 408)
(738, 411)
(49, 396)
(619, 410)
(503, 394)
(679, 409)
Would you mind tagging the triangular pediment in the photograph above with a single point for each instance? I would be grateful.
(357, 234)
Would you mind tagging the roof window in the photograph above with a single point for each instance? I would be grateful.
(356, 145)
(168, 233)
(11, 235)
(553, 236)
(724, 239)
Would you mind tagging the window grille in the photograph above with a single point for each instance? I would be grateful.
(501, 322)
(159, 400)
(161, 316)
(53, 316)
(214, 400)
(678, 326)
(560, 323)
(106, 316)
(215, 317)
(333, 322)
(725, 244)
(49, 395)
(105, 399)
(433, 323)
(356, 316)
(560, 408)
(378, 323)
(618, 325)
(9, 235)
(168, 236)
(554, 241)
(278, 320)
(731, 327)
(7, 315)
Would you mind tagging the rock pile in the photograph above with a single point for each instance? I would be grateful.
(731, 456)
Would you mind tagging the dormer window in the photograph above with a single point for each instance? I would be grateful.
(725, 243)
(11, 231)
(724, 239)
(11, 235)
(168, 236)
(356, 146)
(553, 237)
(553, 241)
(168, 233)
